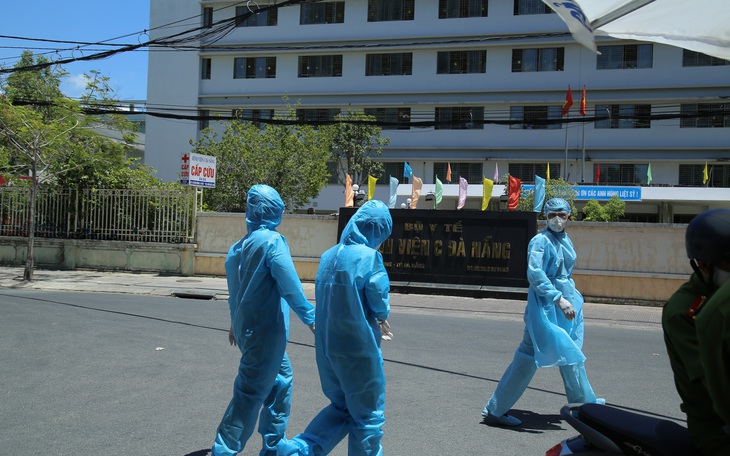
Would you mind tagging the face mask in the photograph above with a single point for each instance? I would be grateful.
(719, 277)
(556, 224)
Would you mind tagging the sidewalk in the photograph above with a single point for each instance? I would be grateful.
(208, 287)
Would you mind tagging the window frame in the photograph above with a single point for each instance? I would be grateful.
(251, 70)
(472, 171)
(707, 121)
(617, 111)
(526, 172)
(391, 10)
(268, 18)
(461, 62)
(462, 9)
(540, 113)
(320, 61)
(206, 68)
(530, 7)
(387, 63)
(520, 65)
(456, 117)
(322, 13)
(630, 55)
(698, 59)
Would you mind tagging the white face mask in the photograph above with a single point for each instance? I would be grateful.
(719, 277)
(556, 224)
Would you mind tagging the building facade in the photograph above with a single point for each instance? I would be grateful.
(475, 85)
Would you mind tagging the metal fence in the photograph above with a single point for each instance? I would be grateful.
(148, 215)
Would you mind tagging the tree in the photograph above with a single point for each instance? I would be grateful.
(291, 159)
(51, 138)
(355, 145)
(612, 211)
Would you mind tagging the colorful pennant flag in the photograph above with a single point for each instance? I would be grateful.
(393, 192)
(448, 173)
(582, 109)
(568, 102)
(439, 194)
(488, 186)
(648, 175)
(495, 178)
(597, 179)
(539, 194)
(407, 172)
(705, 177)
(515, 186)
(371, 186)
(416, 191)
(463, 187)
(547, 175)
(349, 194)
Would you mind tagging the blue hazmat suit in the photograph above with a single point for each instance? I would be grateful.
(549, 338)
(351, 292)
(262, 285)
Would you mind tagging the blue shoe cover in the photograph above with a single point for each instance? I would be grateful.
(504, 420)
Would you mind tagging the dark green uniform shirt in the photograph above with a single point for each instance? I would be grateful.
(713, 331)
(680, 336)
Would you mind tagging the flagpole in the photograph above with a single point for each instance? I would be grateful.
(565, 166)
(583, 166)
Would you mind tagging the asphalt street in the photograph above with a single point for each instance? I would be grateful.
(139, 373)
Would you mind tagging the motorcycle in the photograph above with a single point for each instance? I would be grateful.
(606, 430)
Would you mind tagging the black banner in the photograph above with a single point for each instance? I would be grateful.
(456, 247)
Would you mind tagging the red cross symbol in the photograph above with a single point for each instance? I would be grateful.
(185, 158)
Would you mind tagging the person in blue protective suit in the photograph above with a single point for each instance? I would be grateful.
(351, 292)
(262, 285)
(553, 334)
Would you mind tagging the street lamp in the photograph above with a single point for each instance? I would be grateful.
(359, 195)
(408, 203)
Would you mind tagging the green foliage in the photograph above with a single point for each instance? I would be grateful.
(53, 138)
(554, 188)
(291, 159)
(611, 212)
(355, 146)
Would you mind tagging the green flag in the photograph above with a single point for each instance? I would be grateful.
(439, 192)
(648, 175)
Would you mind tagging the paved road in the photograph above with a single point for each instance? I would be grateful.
(111, 374)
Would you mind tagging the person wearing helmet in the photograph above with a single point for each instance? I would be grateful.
(708, 246)
(680, 337)
(352, 296)
(262, 285)
(553, 334)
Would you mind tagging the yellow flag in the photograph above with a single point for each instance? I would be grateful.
(548, 172)
(487, 193)
(704, 175)
(371, 186)
(349, 193)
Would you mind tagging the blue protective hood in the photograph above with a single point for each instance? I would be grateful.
(264, 207)
(370, 225)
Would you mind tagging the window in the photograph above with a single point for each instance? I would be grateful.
(693, 175)
(397, 118)
(391, 169)
(526, 172)
(390, 10)
(692, 59)
(253, 116)
(203, 121)
(333, 173)
(460, 118)
(322, 13)
(523, 7)
(624, 57)
(207, 16)
(257, 19)
(254, 67)
(319, 66)
(705, 115)
(544, 59)
(623, 116)
(389, 64)
(205, 68)
(463, 8)
(460, 62)
(472, 172)
(535, 117)
(317, 115)
(612, 173)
